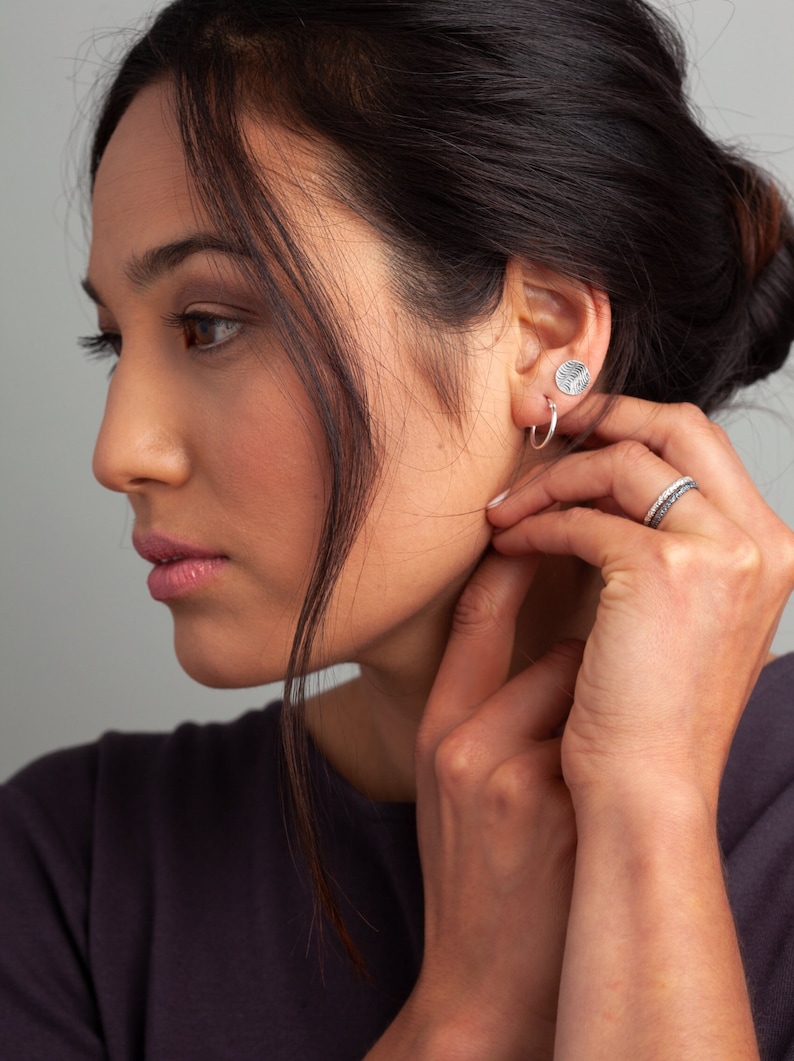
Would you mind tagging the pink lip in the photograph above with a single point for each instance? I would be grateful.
(179, 568)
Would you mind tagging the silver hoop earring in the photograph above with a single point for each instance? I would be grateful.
(549, 434)
(572, 377)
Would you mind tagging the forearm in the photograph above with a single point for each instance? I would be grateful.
(652, 968)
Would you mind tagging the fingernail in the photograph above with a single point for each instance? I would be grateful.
(498, 499)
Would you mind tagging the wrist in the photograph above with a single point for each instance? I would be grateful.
(635, 804)
(651, 933)
(648, 860)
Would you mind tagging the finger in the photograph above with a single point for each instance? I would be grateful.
(626, 473)
(529, 709)
(535, 703)
(598, 538)
(477, 659)
(681, 434)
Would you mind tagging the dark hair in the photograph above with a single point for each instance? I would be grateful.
(468, 134)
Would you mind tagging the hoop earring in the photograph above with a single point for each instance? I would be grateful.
(549, 434)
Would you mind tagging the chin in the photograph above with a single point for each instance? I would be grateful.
(224, 663)
(206, 672)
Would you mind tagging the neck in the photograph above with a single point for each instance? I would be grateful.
(366, 728)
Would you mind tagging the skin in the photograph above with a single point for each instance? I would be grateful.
(184, 433)
(184, 430)
(574, 897)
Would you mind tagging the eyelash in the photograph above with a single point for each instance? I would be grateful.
(101, 347)
(108, 344)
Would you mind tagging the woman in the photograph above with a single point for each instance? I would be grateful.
(411, 310)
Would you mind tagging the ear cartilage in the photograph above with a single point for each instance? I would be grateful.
(572, 377)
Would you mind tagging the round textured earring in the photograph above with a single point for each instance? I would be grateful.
(549, 434)
(572, 377)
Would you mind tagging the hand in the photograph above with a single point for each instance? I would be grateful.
(687, 612)
(496, 830)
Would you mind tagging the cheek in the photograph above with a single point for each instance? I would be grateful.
(263, 474)
(424, 533)
(269, 469)
(427, 527)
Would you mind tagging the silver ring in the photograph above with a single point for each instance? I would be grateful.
(664, 502)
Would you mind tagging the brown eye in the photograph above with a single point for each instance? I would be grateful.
(209, 331)
(203, 330)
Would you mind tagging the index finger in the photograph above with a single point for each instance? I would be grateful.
(682, 435)
(476, 662)
(679, 433)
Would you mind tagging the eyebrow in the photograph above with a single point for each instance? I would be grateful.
(144, 271)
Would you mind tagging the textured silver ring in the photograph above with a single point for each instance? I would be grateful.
(665, 501)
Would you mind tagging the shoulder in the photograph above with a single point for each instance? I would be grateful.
(67, 782)
(757, 834)
(759, 774)
(53, 811)
(93, 831)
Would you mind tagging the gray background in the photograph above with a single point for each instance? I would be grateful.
(82, 647)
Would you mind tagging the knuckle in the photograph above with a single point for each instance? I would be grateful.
(457, 759)
(678, 558)
(630, 452)
(779, 546)
(787, 558)
(476, 612)
(732, 569)
(745, 558)
(578, 514)
(693, 415)
(721, 434)
(571, 519)
(510, 788)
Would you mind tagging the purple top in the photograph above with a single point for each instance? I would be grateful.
(150, 904)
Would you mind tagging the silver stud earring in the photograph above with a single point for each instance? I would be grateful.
(549, 434)
(572, 377)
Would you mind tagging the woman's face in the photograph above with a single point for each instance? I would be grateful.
(213, 440)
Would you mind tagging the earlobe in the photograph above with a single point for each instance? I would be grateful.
(564, 328)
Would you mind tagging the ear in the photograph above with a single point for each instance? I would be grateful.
(553, 320)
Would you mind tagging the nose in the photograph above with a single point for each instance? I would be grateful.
(141, 439)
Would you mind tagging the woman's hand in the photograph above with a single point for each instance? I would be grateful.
(686, 616)
(687, 612)
(497, 838)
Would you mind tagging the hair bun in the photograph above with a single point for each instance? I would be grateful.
(760, 215)
(766, 240)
